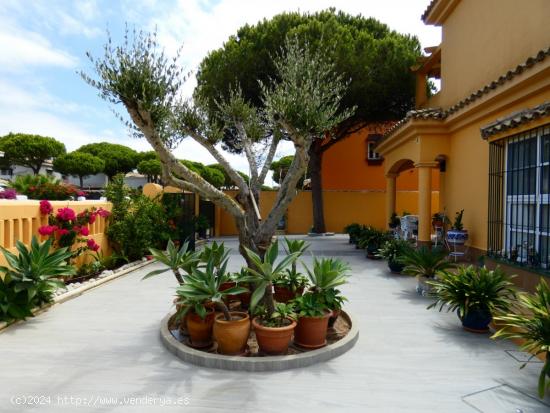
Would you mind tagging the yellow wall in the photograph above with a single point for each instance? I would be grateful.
(341, 208)
(483, 39)
(20, 220)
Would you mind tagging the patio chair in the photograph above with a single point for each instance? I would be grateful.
(409, 227)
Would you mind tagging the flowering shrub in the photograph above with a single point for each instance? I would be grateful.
(8, 194)
(53, 191)
(66, 228)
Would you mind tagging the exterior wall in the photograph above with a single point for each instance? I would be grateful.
(20, 220)
(341, 208)
(466, 179)
(135, 181)
(23, 170)
(482, 40)
(91, 181)
(345, 168)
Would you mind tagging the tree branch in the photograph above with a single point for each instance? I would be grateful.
(269, 159)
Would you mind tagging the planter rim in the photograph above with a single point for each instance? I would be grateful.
(258, 326)
(244, 319)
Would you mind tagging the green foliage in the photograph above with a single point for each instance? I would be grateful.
(211, 175)
(30, 279)
(203, 286)
(472, 288)
(117, 158)
(327, 273)
(202, 223)
(281, 317)
(531, 325)
(30, 150)
(354, 230)
(373, 238)
(394, 249)
(228, 183)
(215, 253)
(280, 169)
(152, 168)
(265, 271)
(78, 164)
(376, 59)
(457, 224)
(424, 262)
(44, 187)
(175, 259)
(310, 305)
(395, 221)
(136, 221)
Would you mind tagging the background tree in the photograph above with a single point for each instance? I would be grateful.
(150, 168)
(117, 158)
(302, 104)
(29, 150)
(280, 169)
(228, 183)
(211, 175)
(79, 164)
(375, 58)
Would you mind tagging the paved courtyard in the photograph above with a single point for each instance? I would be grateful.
(103, 350)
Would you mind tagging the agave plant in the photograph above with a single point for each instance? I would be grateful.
(265, 271)
(203, 286)
(424, 262)
(216, 254)
(33, 272)
(175, 259)
(327, 274)
(471, 288)
(296, 246)
(531, 325)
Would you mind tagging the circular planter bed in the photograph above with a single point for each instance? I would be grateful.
(340, 338)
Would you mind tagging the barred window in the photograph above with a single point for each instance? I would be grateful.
(519, 198)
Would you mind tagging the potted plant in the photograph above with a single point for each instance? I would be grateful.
(424, 264)
(392, 251)
(182, 259)
(531, 325)
(201, 226)
(476, 294)
(199, 289)
(438, 220)
(457, 235)
(274, 332)
(372, 239)
(395, 221)
(291, 283)
(327, 274)
(353, 231)
(313, 317)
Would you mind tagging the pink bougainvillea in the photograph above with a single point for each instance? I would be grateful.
(84, 231)
(47, 230)
(45, 207)
(92, 244)
(66, 214)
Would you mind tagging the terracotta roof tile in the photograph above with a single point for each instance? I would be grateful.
(428, 9)
(516, 119)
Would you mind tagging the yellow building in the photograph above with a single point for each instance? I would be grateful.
(487, 130)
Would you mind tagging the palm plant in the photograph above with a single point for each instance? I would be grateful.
(203, 286)
(532, 326)
(424, 262)
(175, 259)
(471, 288)
(265, 272)
(33, 272)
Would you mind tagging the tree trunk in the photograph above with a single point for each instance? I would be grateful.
(81, 179)
(315, 168)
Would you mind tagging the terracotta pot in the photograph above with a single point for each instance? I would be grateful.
(273, 340)
(232, 336)
(311, 332)
(285, 294)
(244, 298)
(200, 331)
(333, 317)
(226, 286)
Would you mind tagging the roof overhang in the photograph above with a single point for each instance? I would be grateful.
(438, 10)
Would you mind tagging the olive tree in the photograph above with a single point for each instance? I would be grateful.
(301, 104)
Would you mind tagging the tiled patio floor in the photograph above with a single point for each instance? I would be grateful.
(103, 349)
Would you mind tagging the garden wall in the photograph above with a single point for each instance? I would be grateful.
(20, 220)
(341, 209)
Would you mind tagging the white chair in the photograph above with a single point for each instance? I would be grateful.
(409, 226)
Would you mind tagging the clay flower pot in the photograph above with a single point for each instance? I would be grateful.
(284, 295)
(200, 331)
(311, 332)
(226, 286)
(232, 336)
(273, 340)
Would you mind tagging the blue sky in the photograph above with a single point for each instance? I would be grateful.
(43, 45)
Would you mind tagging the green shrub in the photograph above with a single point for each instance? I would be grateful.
(44, 187)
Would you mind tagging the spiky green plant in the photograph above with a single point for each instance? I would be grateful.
(182, 259)
(425, 262)
(33, 272)
(265, 271)
(472, 288)
(531, 324)
(215, 253)
(326, 275)
(296, 246)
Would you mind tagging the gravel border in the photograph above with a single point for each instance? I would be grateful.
(269, 363)
(74, 290)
